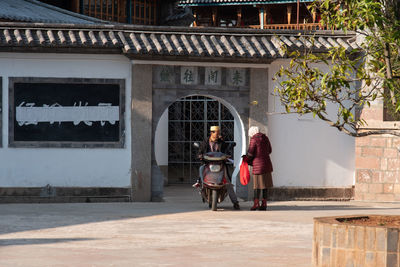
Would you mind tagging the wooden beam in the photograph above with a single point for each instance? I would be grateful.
(134, 12)
(314, 16)
(265, 15)
(195, 17)
(112, 10)
(118, 11)
(150, 20)
(214, 16)
(155, 13)
(140, 12)
(101, 9)
(298, 13)
(124, 11)
(107, 11)
(75, 6)
(145, 12)
(289, 13)
(89, 8)
(239, 17)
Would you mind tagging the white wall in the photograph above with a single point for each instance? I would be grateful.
(306, 151)
(161, 140)
(23, 167)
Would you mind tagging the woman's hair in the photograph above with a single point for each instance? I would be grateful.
(253, 130)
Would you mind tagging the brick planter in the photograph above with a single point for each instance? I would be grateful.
(338, 244)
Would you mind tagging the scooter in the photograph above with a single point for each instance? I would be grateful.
(214, 178)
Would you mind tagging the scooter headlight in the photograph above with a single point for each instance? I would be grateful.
(215, 167)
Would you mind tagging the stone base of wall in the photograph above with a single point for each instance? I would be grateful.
(336, 244)
(164, 171)
(377, 168)
(49, 194)
(310, 193)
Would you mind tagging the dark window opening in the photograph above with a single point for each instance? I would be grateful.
(189, 120)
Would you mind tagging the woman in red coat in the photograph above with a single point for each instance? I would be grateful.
(258, 157)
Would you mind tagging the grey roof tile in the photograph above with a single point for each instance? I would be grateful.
(164, 42)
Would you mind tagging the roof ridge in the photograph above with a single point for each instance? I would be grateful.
(137, 43)
(175, 29)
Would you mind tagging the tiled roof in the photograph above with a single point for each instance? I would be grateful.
(234, 2)
(35, 11)
(216, 44)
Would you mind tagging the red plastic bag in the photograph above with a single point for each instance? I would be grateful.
(244, 173)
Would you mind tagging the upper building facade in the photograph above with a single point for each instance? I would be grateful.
(139, 12)
(270, 14)
(257, 14)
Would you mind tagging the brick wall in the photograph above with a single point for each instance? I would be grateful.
(377, 168)
(338, 244)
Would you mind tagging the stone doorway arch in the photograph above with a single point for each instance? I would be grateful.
(236, 101)
(161, 149)
(155, 87)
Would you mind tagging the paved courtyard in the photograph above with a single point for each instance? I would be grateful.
(178, 232)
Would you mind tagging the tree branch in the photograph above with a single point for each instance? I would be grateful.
(376, 132)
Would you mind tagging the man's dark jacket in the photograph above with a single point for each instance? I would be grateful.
(205, 147)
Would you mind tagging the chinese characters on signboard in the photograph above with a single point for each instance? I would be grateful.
(74, 112)
(166, 74)
(189, 75)
(212, 76)
(236, 77)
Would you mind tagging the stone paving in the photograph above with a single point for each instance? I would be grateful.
(178, 232)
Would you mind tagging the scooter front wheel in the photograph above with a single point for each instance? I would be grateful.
(214, 200)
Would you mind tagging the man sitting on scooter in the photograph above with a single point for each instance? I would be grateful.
(215, 143)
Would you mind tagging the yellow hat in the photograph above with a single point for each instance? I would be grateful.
(214, 128)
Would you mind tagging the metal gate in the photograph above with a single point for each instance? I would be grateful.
(189, 121)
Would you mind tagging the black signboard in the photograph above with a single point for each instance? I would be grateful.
(66, 112)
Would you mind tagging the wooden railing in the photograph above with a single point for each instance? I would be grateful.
(302, 26)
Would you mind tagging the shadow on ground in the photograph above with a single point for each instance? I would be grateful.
(311, 207)
(39, 241)
(178, 199)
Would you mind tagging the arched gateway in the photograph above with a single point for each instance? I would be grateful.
(169, 85)
(186, 121)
